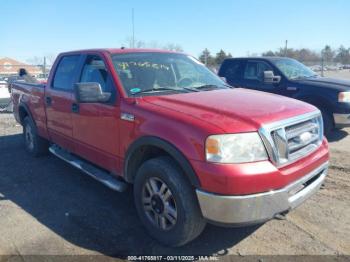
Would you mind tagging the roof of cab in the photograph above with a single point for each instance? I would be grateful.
(259, 58)
(122, 50)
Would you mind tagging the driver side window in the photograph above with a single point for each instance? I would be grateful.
(254, 70)
(94, 70)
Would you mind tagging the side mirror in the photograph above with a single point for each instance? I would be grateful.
(270, 78)
(90, 92)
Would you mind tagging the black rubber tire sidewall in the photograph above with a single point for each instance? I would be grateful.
(328, 124)
(190, 222)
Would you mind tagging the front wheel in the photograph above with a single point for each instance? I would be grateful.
(328, 124)
(166, 202)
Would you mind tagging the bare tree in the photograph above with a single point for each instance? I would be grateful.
(50, 58)
(173, 47)
(35, 60)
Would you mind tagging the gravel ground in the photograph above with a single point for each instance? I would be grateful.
(50, 208)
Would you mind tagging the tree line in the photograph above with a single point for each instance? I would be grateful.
(327, 54)
(213, 60)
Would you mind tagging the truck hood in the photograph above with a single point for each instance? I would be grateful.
(233, 110)
(333, 83)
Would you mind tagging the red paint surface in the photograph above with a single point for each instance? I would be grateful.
(184, 120)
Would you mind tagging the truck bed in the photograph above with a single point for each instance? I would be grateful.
(31, 96)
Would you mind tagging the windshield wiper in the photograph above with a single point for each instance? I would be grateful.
(303, 77)
(208, 87)
(151, 90)
(315, 75)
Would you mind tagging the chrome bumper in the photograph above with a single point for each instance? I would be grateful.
(341, 120)
(251, 209)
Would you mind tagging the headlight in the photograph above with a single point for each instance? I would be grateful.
(235, 148)
(344, 97)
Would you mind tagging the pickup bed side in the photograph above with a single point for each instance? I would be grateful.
(28, 100)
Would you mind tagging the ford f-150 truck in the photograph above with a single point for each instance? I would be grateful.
(195, 150)
(288, 77)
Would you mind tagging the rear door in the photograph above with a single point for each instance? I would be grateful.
(232, 70)
(59, 99)
(96, 125)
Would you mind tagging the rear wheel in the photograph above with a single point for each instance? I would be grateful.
(34, 144)
(166, 202)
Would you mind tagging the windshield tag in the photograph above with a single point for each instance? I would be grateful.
(135, 90)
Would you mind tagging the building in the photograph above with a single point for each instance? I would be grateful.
(9, 66)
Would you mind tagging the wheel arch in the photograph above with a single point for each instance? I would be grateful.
(148, 147)
(318, 101)
(23, 112)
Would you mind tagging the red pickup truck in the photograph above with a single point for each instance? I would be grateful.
(195, 150)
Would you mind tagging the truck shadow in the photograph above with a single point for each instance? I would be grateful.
(87, 214)
(337, 135)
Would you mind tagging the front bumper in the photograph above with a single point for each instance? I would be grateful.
(341, 120)
(256, 208)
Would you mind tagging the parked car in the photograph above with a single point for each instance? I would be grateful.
(288, 77)
(195, 150)
(5, 97)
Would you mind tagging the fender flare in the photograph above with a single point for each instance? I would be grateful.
(318, 101)
(26, 108)
(169, 149)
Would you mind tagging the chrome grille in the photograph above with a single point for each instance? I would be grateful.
(289, 140)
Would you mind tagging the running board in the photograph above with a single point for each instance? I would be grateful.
(94, 172)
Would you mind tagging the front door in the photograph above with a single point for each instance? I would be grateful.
(96, 125)
(59, 99)
(253, 76)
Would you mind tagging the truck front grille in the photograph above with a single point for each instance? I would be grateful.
(289, 140)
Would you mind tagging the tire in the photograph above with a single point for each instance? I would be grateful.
(172, 228)
(328, 123)
(33, 143)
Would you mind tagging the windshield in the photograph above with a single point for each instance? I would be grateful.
(292, 69)
(163, 73)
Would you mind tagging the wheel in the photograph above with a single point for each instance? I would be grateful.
(34, 144)
(166, 202)
(328, 124)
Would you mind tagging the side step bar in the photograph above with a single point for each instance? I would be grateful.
(96, 173)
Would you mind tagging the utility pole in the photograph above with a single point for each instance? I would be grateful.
(44, 67)
(133, 27)
(322, 64)
(286, 48)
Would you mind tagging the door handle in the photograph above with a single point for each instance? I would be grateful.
(292, 88)
(75, 108)
(48, 101)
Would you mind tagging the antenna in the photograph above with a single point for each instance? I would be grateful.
(133, 27)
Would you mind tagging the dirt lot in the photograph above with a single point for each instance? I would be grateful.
(48, 207)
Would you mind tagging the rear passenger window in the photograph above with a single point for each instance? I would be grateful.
(232, 70)
(66, 72)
